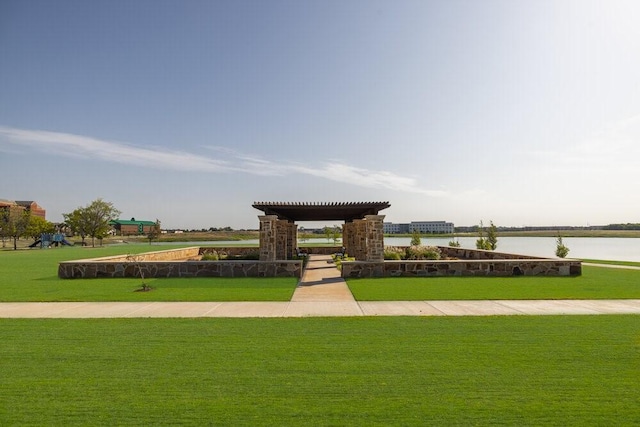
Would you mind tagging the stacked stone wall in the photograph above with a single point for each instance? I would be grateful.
(496, 268)
(466, 262)
(88, 269)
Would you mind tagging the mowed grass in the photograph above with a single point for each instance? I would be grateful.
(595, 283)
(547, 370)
(625, 263)
(31, 275)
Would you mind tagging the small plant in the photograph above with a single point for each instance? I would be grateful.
(561, 250)
(211, 256)
(454, 244)
(136, 261)
(415, 238)
(489, 243)
(393, 254)
(422, 252)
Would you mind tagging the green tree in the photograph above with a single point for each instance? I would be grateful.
(92, 220)
(336, 233)
(481, 243)
(37, 226)
(415, 238)
(492, 237)
(561, 250)
(328, 232)
(489, 243)
(154, 232)
(76, 222)
(14, 222)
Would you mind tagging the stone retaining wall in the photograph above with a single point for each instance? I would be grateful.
(469, 262)
(184, 262)
(88, 270)
(523, 267)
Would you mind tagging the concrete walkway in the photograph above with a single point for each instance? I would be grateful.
(320, 293)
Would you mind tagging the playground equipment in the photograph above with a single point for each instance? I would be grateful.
(48, 239)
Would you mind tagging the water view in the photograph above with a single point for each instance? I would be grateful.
(621, 249)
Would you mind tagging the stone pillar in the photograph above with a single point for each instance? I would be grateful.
(292, 240)
(348, 234)
(282, 238)
(359, 240)
(268, 232)
(375, 238)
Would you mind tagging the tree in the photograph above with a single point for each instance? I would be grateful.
(561, 250)
(481, 243)
(327, 233)
(37, 226)
(76, 222)
(154, 231)
(492, 237)
(489, 243)
(92, 220)
(14, 221)
(415, 238)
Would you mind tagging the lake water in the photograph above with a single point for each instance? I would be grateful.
(621, 249)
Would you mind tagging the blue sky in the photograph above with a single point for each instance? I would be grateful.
(520, 112)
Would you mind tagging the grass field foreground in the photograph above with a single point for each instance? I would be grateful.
(549, 370)
(595, 283)
(31, 275)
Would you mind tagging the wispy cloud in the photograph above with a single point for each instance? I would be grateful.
(70, 145)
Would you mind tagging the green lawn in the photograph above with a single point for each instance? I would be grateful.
(547, 370)
(600, 261)
(31, 275)
(595, 283)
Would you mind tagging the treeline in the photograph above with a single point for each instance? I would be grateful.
(629, 226)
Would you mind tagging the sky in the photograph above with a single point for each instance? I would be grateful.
(523, 113)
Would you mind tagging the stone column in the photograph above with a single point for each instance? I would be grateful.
(375, 238)
(282, 238)
(292, 240)
(359, 240)
(347, 237)
(268, 232)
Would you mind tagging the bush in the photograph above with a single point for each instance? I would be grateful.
(210, 256)
(561, 250)
(393, 254)
(422, 252)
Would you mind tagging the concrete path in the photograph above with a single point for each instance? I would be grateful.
(320, 293)
(35, 310)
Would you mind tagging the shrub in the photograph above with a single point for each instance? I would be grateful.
(393, 254)
(454, 244)
(422, 252)
(210, 256)
(415, 238)
(561, 250)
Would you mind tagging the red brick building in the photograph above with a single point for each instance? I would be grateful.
(29, 205)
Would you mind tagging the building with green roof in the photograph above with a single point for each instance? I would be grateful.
(132, 227)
